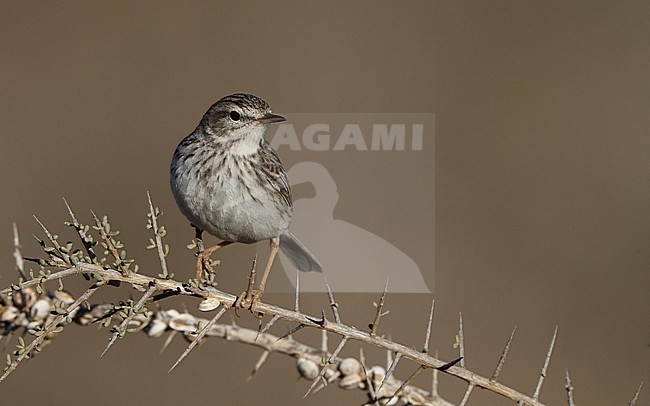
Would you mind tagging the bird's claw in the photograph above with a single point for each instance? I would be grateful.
(247, 300)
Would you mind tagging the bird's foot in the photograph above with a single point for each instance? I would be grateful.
(247, 300)
(203, 263)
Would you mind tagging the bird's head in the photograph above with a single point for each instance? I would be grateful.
(239, 118)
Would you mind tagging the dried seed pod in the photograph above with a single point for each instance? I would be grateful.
(24, 298)
(156, 328)
(191, 336)
(209, 304)
(350, 382)
(389, 400)
(414, 398)
(9, 314)
(377, 374)
(41, 309)
(184, 322)
(167, 315)
(138, 322)
(34, 324)
(307, 368)
(21, 319)
(350, 366)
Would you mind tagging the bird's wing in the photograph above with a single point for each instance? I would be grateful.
(273, 172)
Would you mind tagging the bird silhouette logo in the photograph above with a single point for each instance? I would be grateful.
(354, 259)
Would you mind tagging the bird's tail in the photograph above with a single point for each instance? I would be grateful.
(299, 255)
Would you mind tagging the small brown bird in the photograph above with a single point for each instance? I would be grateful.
(228, 181)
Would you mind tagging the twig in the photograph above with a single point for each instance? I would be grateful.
(380, 307)
(158, 238)
(258, 364)
(109, 245)
(461, 353)
(569, 388)
(468, 392)
(86, 239)
(53, 239)
(407, 382)
(371, 390)
(502, 358)
(542, 375)
(390, 371)
(168, 341)
(199, 336)
(333, 304)
(636, 395)
(125, 323)
(435, 382)
(320, 376)
(461, 340)
(18, 256)
(425, 348)
(291, 331)
(270, 324)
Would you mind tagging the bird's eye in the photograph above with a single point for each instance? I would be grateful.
(234, 115)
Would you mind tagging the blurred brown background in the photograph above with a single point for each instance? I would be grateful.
(542, 175)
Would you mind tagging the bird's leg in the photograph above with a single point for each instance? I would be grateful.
(245, 298)
(257, 294)
(198, 234)
(203, 258)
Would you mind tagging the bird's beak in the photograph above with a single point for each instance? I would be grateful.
(270, 118)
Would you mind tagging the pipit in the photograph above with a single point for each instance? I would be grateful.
(229, 181)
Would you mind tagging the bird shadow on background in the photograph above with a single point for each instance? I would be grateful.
(354, 259)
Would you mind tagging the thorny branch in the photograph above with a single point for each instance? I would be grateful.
(142, 282)
(25, 305)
